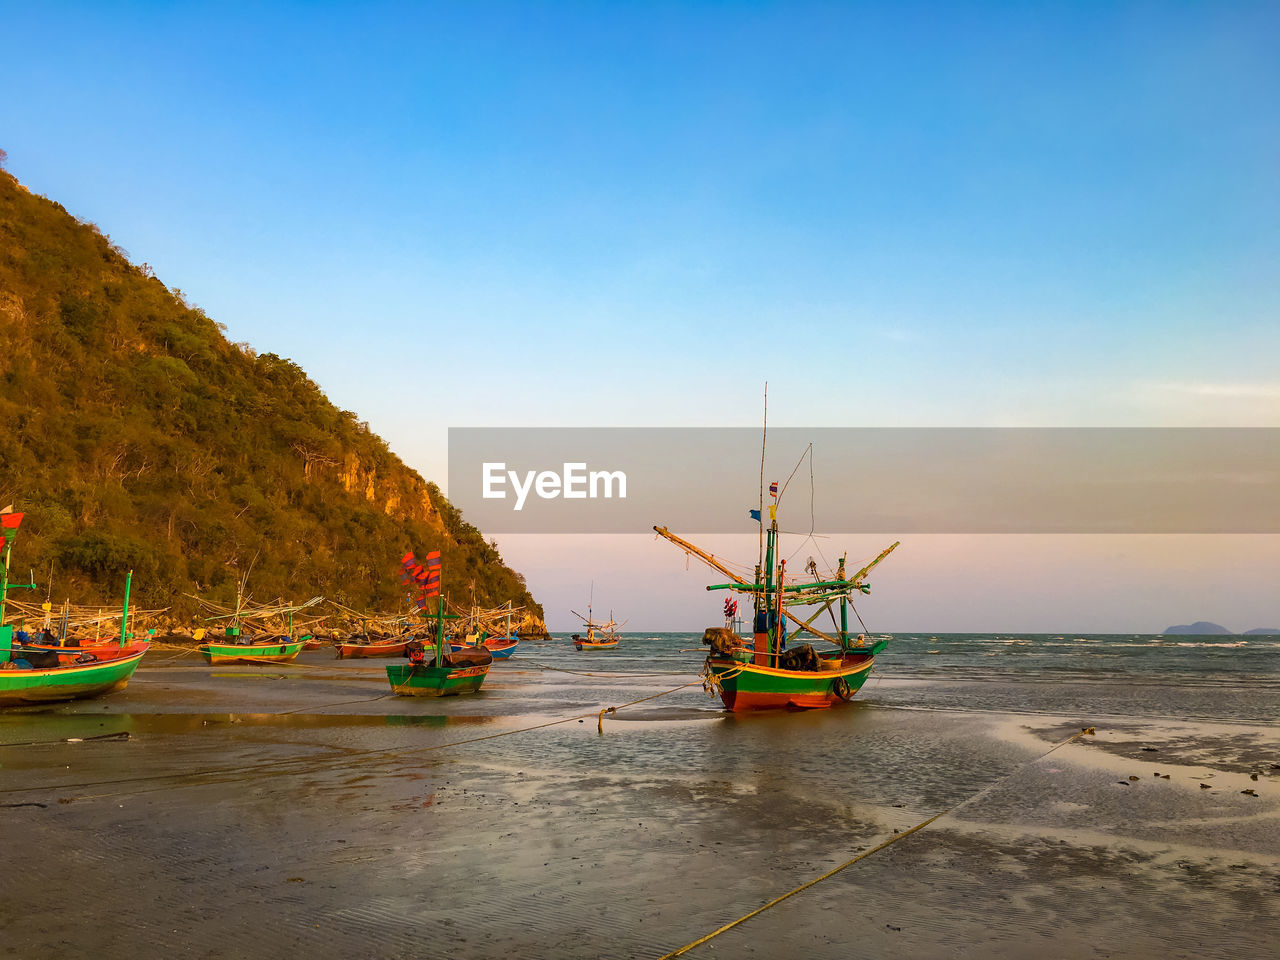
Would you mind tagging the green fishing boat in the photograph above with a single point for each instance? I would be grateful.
(67, 681)
(759, 672)
(265, 647)
(442, 673)
(36, 674)
(273, 650)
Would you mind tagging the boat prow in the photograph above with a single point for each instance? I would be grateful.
(72, 681)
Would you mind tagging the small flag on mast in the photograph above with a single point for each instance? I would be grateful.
(773, 489)
(9, 523)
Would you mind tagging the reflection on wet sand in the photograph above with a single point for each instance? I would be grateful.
(333, 817)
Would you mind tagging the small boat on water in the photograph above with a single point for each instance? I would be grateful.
(760, 672)
(600, 636)
(436, 671)
(592, 641)
(31, 674)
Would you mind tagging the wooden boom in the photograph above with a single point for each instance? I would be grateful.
(702, 555)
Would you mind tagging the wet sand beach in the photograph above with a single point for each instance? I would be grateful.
(300, 810)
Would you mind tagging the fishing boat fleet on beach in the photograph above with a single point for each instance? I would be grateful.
(448, 651)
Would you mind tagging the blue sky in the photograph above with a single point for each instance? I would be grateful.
(1040, 214)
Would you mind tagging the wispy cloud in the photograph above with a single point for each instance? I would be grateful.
(1251, 391)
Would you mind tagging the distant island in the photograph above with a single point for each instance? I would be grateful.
(1203, 628)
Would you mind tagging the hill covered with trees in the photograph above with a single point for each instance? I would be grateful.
(135, 436)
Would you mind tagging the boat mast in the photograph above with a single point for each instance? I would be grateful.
(124, 616)
(844, 607)
(440, 633)
(759, 605)
(4, 580)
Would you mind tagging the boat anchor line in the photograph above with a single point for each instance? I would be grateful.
(607, 676)
(867, 853)
(632, 703)
(121, 735)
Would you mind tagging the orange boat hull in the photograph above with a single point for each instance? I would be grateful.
(351, 651)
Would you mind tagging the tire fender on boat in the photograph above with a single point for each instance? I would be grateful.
(840, 687)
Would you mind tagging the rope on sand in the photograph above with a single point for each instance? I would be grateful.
(862, 856)
(614, 710)
(607, 676)
(120, 735)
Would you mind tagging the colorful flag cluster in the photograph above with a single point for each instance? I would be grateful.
(424, 577)
(730, 608)
(9, 523)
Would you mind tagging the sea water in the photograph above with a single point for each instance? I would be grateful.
(1222, 677)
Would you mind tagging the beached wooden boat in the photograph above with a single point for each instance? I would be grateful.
(31, 674)
(490, 629)
(72, 630)
(270, 647)
(104, 673)
(760, 673)
(500, 647)
(69, 651)
(353, 649)
(269, 650)
(453, 674)
(744, 684)
(436, 671)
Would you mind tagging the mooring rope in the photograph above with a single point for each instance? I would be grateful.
(605, 676)
(614, 710)
(876, 849)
